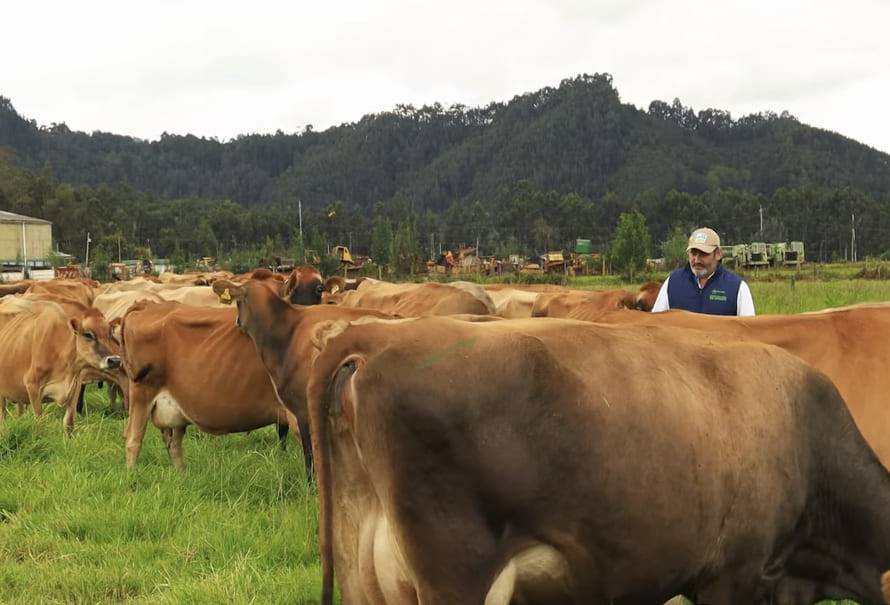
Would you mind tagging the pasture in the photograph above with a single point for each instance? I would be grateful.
(238, 526)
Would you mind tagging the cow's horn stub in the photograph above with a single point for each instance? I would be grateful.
(327, 330)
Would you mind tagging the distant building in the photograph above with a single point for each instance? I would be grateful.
(24, 240)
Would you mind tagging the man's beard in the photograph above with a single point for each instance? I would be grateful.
(700, 271)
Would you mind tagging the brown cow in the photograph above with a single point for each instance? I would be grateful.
(115, 375)
(114, 305)
(413, 300)
(439, 481)
(282, 334)
(850, 345)
(47, 353)
(191, 365)
(512, 303)
(303, 286)
(563, 304)
(645, 299)
(80, 290)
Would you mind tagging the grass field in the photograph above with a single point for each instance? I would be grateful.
(239, 526)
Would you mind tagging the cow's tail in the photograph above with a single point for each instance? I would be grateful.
(331, 370)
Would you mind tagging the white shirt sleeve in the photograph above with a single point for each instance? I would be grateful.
(744, 301)
(661, 301)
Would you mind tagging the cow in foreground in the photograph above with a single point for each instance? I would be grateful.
(601, 465)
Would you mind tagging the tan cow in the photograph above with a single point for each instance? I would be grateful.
(47, 353)
(413, 300)
(850, 345)
(564, 304)
(282, 334)
(194, 296)
(511, 303)
(116, 375)
(114, 305)
(629, 464)
(80, 290)
(191, 365)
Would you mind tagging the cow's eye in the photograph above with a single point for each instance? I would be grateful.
(89, 335)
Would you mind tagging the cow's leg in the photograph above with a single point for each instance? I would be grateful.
(115, 392)
(35, 395)
(174, 446)
(80, 395)
(19, 408)
(306, 442)
(71, 409)
(282, 436)
(136, 422)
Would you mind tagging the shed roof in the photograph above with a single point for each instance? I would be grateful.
(12, 217)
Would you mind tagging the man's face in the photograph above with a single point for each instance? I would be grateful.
(704, 264)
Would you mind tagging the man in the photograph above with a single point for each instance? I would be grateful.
(704, 286)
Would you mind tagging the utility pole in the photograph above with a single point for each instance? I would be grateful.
(87, 261)
(300, 210)
(24, 246)
(853, 237)
(118, 248)
(761, 221)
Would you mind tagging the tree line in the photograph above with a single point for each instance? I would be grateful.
(518, 218)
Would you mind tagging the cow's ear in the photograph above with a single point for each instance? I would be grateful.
(113, 327)
(327, 330)
(334, 284)
(74, 324)
(227, 291)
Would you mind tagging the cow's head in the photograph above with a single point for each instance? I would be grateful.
(96, 344)
(231, 293)
(303, 286)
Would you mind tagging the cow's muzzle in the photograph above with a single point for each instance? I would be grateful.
(112, 362)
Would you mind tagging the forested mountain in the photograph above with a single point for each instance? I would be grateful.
(521, 176)
(577, 138)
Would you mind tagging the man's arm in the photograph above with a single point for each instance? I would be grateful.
(744, 301)
(661, 301)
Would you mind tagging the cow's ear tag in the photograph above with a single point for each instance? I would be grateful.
(226, 296)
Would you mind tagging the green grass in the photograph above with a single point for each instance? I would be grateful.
(76, 526)
(238, 526)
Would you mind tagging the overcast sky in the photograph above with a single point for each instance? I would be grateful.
(219, 69)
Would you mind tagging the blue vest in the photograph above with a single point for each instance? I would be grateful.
(718, 297)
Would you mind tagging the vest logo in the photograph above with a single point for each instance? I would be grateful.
(718, 295)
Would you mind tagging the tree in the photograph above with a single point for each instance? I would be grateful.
(205, 239)
(674, 248)
(631, 244)
(405, 248)
(382, 241)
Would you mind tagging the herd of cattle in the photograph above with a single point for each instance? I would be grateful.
(468, 451)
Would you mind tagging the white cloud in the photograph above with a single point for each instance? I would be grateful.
(224, 68)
